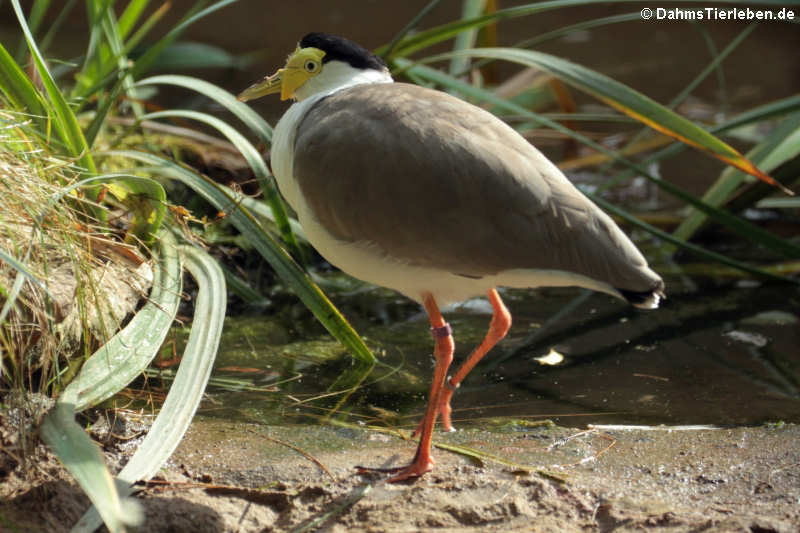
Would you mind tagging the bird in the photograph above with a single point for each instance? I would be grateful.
(414, 189)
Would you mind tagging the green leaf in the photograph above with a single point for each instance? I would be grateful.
(66, 124)
(284, 265)
(146, 26)
(465, 40)
(780, 146)
(190, 381)
(692, 248)
(18, 89)
(146, 61)
(625, 99)
(119, 361)
(145, 199)
(191, 55)
(130, 17)
(83, 459)
(242, 111)
(409, 44)
(734, 223)
(423, 39)
(35, 16)
(779, 203)
(55, 26)
(253, 159)
(755, 115)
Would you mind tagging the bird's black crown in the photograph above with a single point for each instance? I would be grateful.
(340, 49)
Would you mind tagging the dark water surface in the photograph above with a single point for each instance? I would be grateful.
(724, 355)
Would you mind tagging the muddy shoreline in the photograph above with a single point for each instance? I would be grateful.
(251, 478)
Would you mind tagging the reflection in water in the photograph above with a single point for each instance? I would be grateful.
(711, 356)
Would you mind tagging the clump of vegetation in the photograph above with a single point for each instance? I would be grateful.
(68, 282)
(87, 229)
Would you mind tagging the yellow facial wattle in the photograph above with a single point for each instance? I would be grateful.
(303, 64)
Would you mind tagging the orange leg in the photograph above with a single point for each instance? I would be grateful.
(443, 352)
(498, 327)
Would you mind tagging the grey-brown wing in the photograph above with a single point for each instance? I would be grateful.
(434, 181)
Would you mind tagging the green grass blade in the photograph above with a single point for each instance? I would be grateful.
(96, 57)
(465, 40)
(193, 55)
(624, 99)
(253, 159)
(714, 66)
(758, 114)
(190, 381)
(10, 296)
(772, 203)
(311, 295)
(149, 57)
(66, 124)
(55, 25)
(692, 248)
(119, 361)
(426, 38)
(387, 50)
(18, 89)
(37, 12)
(734, 223)
(423, 39)
(146, 27)
(130, 17)
(106, 104)
(780, 146)
(242, 289)
(243, 112)
(84, 461)
(17, 265)
(187, 390)
(583, 25)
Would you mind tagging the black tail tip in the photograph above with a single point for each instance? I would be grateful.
(644, 299)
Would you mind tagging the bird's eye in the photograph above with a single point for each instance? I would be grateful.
(311, 66)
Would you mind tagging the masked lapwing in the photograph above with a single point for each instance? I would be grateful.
(416, 190)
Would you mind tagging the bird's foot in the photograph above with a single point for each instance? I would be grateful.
(417, 468)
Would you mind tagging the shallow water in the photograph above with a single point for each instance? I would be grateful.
(715, 355)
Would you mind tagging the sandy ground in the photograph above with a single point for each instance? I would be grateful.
(246, 478)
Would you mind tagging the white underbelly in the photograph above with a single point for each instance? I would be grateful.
(364, 261)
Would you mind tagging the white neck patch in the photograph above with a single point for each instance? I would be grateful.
(337, 75)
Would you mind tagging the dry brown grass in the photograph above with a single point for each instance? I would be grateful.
(93, 281)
